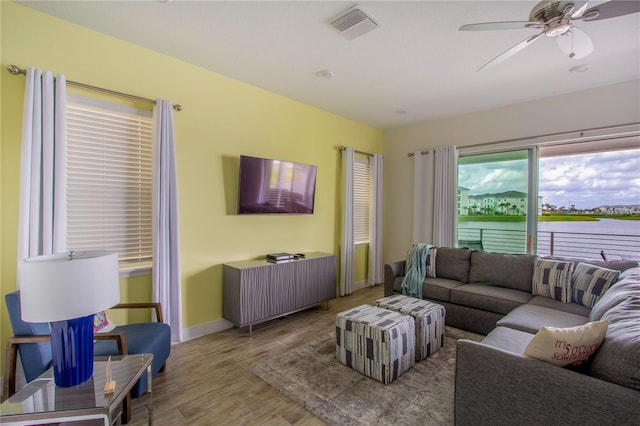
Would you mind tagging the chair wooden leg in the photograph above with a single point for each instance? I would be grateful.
(10, 359)
(126, 410)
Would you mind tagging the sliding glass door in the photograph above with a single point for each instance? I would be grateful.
(580, 199)
(590, 194)
(494, 207)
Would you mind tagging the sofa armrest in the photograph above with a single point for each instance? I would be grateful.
(391, 272)
(496, 387)
(11, 361)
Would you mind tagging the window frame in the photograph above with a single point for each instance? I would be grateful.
(617, 137)
(129, 157)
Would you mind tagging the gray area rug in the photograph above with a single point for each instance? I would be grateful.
(311, 376)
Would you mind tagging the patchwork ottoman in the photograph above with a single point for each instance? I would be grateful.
(375, 342)
(429, 319)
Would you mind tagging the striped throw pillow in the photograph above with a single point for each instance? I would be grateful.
(431, 262)
(552, 278)
(591, 282)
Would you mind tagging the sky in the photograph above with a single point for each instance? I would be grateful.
(585, 180)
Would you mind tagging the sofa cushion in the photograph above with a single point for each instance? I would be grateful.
(627, 285)
(552, 278)
(572, 308)
(502, 270)
(508, 339)
(618, 265)
(565, 346)
(618, 359)
(591, 282)
(439, 288)
(453, 263)
(530, 318)
(489, 298)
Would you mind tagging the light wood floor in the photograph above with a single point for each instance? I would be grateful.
(208, 381)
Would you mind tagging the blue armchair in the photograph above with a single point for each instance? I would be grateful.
(31, 341)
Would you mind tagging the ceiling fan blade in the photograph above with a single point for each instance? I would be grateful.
(611, 9)
(507, 25)
(569, 8)
(575, 43)
(578, 8)
(512, 51)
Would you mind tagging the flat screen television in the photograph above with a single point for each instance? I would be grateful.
(277, 187)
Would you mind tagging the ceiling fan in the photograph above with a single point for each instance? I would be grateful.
(555, 19)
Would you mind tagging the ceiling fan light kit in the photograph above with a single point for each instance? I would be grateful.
(555, 19)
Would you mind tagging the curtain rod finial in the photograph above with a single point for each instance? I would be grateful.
(14, 70)
(177, 107)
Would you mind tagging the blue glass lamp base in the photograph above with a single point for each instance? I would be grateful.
(72, 346)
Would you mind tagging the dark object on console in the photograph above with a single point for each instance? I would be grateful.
(147, 337)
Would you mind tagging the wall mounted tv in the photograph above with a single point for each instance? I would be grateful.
(277, 187)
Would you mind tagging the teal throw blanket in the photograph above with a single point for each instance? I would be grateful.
(416, 270)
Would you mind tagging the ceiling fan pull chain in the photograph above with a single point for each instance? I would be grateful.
(573, 52)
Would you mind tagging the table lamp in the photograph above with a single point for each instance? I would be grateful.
(66, 290)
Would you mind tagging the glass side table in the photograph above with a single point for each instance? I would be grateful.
(41, 401)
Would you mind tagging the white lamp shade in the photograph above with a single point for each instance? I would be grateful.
(54, 288)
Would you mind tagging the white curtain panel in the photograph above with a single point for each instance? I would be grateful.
(347, 242)
(374, 271)
(422, 197)
(166, 280)
(42, 209)
(435, 196)
(445, 196)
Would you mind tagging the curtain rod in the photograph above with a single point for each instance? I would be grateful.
(342, 148)
(581, 132)
(14, 70)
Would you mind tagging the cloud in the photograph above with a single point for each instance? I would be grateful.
(591, 180)
(585, 180)
(484, 178)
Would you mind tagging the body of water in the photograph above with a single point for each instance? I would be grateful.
(602, 226)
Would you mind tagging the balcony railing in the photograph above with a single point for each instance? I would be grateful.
(553, 243)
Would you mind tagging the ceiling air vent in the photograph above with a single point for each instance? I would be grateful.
(353, 23)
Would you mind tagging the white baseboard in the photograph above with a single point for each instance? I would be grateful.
(359, 285)
(204, 329)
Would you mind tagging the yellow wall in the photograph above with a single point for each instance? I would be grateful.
(221, 119)
(360, 264)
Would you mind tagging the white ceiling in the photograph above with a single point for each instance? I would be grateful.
(416, 60)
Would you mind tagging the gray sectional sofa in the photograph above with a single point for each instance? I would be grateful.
(491, 294)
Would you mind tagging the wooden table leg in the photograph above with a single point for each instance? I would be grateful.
(126, 409)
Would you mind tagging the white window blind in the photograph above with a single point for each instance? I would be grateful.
(108, 168)
(361, 195)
